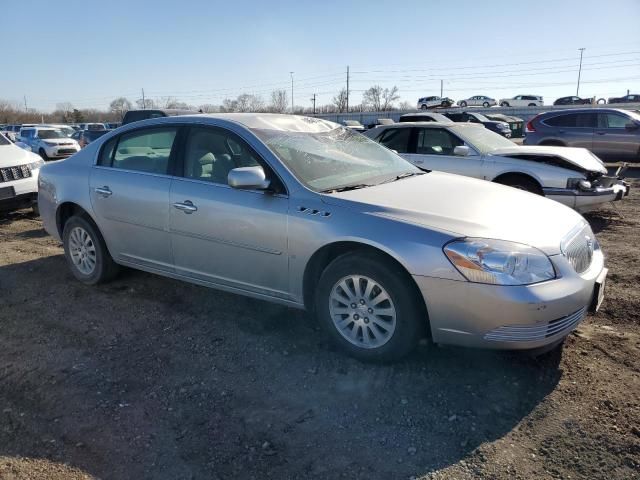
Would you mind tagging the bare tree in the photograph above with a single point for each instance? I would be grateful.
(372, 98)
(279, 101)
(120, 106)
(340, 100)
(148, 103)
(406, 106)
(209, 108)
(389, 97)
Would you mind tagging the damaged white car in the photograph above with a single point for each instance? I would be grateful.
(572, 176)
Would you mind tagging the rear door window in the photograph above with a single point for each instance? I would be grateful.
(396, 139)
(146, 150)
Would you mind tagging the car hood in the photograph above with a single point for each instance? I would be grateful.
(466, 207)
(580, 157)
(12, 156)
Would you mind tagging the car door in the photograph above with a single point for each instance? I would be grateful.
(432, 149)
(229, 237)
(129, 188)
(612, 140)
(573, 129)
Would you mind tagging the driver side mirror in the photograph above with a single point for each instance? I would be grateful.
(461, 151)
(248, 178)
(631, 126)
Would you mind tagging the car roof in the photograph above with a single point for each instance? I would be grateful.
(262, 121)
(583, 110)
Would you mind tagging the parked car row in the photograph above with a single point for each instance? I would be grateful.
(425, 103)
(381, 246)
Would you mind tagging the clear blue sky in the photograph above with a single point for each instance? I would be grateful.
(199, 51)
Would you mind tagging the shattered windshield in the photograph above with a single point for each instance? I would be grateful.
(324, 161)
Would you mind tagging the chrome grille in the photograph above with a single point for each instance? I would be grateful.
(528, 333)
(578, 247)
(10, 174)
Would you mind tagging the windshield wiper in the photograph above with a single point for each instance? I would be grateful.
(403, 175)
(346, 188)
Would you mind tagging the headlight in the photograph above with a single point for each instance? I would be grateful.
(35, 165)
(50, 144)
(499, 262)
(503, 126)
(580, 183)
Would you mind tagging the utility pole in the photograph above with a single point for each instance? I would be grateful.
(579, 71)
(347, 88)
(314, 103)
(441, 85)
(25, 104)
(144, 105)
(291, 92)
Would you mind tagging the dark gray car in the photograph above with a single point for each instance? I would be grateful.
(612, 134)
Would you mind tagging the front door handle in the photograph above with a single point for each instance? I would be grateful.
(601, 133)
(103, 191)
(187, 206)
(418, 161)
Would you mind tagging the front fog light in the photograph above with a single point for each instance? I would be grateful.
(499, 262)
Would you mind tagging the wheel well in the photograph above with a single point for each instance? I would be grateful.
(324, 256)
(505, 178)
(68, 210)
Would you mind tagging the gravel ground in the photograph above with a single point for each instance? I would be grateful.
(148, 377)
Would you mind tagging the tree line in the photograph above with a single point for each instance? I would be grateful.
(376, 98)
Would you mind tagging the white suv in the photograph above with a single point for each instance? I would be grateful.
(432, 102)
(19, 171)
(522, 101)
(49, 142)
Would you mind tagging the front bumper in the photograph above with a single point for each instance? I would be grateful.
(510, 317)
(25, 192)
(62, 151)
(586, 200)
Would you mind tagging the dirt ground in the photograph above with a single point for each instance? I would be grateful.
(150, 378)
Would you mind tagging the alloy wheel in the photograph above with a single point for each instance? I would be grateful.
(362, 311)
(82, 250)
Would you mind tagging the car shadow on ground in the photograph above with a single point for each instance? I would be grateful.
(148, 377)
(605, 218)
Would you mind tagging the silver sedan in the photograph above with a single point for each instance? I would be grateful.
(307, 213)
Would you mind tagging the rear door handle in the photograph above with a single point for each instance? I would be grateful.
(103, 191)
(187, 206)
(601, 133)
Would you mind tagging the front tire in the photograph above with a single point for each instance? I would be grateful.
(532, 105)
(86, 252)
(423, 107)
(504, 104)
(463, 104)
(521, 182)
(369, 307)
(44, 155)
(485, 104)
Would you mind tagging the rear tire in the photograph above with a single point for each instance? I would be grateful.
(463, 104)
(423, 107)
(485, 104)
(521, 182)
(86, 252)
(369, 307)
(532, 105)
(36, 210)
(504, 104)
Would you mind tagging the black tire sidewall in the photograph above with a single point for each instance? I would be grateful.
(409, 319)
(43, 154)
(463, 104)
(99, 272)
